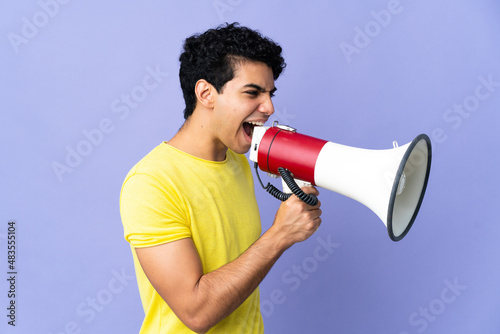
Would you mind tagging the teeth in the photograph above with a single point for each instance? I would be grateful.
(257, 123)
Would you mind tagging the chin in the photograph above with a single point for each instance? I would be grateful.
(241, 149)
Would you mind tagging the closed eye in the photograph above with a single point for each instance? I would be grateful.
(256, 93)
(256, 90)
(253, 93)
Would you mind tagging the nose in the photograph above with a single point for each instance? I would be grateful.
(266, 106)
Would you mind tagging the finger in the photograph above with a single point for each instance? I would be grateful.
(310, 190)
(315, 207)
(316, 215)
(318, 223)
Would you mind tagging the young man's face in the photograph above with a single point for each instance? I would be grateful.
(245, 101)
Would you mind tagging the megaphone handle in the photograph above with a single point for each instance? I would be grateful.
(294, 188)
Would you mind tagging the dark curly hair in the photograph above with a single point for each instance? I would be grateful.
(213, 55)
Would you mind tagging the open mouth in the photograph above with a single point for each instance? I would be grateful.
(248, 127)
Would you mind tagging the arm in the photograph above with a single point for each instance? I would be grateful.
(201, 301)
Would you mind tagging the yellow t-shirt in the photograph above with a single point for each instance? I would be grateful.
(171, 195)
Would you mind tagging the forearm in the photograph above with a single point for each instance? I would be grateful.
(218, 293)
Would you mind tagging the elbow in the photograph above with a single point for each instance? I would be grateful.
(197, 324)
(199, 330)
(197, 327)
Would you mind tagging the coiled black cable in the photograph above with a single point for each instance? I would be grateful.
(287, 177)
(290, 182)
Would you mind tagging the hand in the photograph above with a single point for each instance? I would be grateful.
(295, 220)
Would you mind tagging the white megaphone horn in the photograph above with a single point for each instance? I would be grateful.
(389, 182)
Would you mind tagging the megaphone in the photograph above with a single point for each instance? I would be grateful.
(390, 182)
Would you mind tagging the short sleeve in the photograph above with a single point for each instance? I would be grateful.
(152, 212)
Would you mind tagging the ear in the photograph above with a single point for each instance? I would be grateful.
(205, 93)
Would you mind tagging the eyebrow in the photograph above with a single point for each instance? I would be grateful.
(261, 89)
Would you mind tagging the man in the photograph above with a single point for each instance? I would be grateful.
(189, 209)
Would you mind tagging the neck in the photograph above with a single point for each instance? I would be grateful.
(194, 138)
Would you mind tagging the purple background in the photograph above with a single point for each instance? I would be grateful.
(67, 65)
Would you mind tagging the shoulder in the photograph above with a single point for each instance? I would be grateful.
(152, 168)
